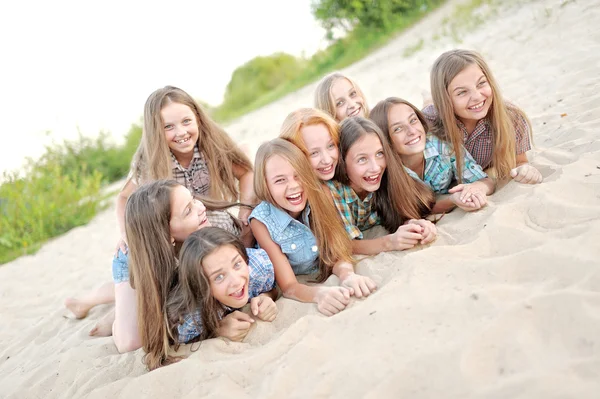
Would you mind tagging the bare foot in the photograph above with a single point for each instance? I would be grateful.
(103, 327)
(78, 308)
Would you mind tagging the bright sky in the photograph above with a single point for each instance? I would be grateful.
(69, 64)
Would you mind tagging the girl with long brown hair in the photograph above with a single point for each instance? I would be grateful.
(468, 109)
(431, 160)
(372, 188)
(297, 225)
(340, 97)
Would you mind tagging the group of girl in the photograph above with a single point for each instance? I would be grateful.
(185, 266)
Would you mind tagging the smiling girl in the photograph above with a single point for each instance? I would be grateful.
(340, 97)
(469, 110)
(297, 225)
(429, 159)
(372, 188)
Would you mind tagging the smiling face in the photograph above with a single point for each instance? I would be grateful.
(181, 128)
(284, 185)
(323, 154)
(347, 100)
(228, 275)
(406, 131)
(187, 214)
(365, 165)
(471, 95)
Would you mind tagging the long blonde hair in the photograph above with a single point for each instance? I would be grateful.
(325, 222)
(444, 70)
(296, 120)
(152, 159)
(153, 265)
(399, 197)
(324, 99)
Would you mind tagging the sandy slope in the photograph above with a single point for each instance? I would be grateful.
(506, 303)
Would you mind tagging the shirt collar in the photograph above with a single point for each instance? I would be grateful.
(283, 219)
(175, 163)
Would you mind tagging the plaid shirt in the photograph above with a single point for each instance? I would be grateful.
(195, 177)
(480, 142)
(224, 220)
(440, 166)
(261, 279)
(357, 215)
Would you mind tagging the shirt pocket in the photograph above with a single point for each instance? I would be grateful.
(441, 177)
(300, 253)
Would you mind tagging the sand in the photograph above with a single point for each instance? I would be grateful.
(506, 302)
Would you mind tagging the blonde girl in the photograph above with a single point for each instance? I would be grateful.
(340, 97)
(297, 225)
(215, 277)
(468, 109)
(317, 135)
(429, 159)
(372, 188)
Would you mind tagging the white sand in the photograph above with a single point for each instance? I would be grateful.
(505, 304)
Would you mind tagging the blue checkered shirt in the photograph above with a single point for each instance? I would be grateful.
(261, 279)
(358, 215)
(440, 166)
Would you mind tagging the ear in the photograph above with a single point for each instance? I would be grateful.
(172, 241)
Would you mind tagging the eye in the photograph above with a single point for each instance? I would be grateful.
(168, 127)
(218, 278)
(238, 265)
(482, 83)
(413, 121)
(353, 93)
(379, 154)
(361, 160)
(314, 154)
(331, 146)
(187, 121)
(339, 103)
(399, 129)
(280, 180)
(460, 93)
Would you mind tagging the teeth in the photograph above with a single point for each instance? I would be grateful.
(237, 293)
(294, 196)
(327, 169)
(477, 106)
(182, 141)
(372, 178)
(414, 141)
(355, 112)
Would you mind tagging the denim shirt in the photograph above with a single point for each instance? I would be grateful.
(440, 166)
(296, 239)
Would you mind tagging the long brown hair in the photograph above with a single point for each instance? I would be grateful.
(296, 120)
(152, 159)
(444, 70)
(399, 197)
(380, 115)
(193, 289)
(152, 260)
(324, 99)
(325, 222)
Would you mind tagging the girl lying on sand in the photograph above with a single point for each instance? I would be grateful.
(297, 225)
(431, 160)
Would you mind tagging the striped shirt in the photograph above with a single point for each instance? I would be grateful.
(440, 166)
(196, 177)
(480, 143)
(358, 215)
(261, 279)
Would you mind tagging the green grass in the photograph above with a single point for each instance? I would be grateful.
(355, 46)
(61, 190)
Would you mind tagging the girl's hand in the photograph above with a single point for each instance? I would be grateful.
(235, 326)
(332, 300)
(361, 285)
(122, 245)
(263, 307)
(428, 229)
(406, 237)
(243, 214)
(526, 174)
(468, 197)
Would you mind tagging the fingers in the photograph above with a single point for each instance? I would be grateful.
(242, 317)
(255, 304)
(457, 188)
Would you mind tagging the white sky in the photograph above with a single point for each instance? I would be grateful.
(69, 64)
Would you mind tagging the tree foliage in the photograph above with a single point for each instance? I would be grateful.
(345, 15)
(259, 76)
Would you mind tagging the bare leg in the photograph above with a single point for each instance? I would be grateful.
(81, 306)
(125, 328)
(103, 327)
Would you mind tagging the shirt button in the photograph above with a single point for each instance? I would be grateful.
(293, 246)
(314, 248)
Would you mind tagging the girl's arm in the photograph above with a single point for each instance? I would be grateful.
(525, 172)
(246, 179)
(329, 300)
(360, 285)
(122, 197)
(406, 237)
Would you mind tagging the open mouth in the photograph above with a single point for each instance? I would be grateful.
(203, 221)
(326, 170)
(183, 141)
(295, 199)
(355, 112)
(373, 179)
(239, 294)
(477, 107)
(414, 141)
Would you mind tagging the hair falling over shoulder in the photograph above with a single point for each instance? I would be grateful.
(444, 69)
(399, 197)
(152, 159)
(325, 222)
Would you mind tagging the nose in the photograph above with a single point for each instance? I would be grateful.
(235, 280)
(181, 130)
(325, 158)
(200, 206)
(373, 165)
